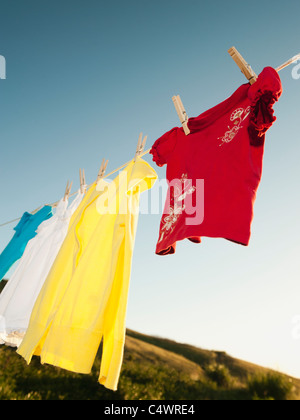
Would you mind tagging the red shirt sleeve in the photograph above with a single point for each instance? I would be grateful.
(263, 94)
(163, 148)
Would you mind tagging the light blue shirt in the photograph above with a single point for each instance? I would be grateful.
(25, 231)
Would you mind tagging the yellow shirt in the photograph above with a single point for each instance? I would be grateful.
(84, 298)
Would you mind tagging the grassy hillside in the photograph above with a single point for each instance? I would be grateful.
(153, 368)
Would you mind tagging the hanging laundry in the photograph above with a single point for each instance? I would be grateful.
(25, 230)
(225, 149)
(20, 293)
(84, 298)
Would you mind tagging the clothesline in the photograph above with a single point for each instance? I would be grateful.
(71, 195)
(288, 63)
(106, 176)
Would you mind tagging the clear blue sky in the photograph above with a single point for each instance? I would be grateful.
(85, 77)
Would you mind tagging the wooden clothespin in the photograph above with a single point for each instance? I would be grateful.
(181, 113)
(140, 146)
(68, 190)
(243, 65)
(102, 170)
(82, 181)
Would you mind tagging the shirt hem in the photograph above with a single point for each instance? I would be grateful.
(171, 249)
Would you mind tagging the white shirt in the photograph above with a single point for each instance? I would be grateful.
(19, 295)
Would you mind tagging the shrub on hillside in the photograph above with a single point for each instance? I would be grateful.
(219, 374)
(271, 386)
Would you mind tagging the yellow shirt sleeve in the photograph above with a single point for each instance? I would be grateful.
(141, 178)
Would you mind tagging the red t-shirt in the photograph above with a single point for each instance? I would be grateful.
(214, 172)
